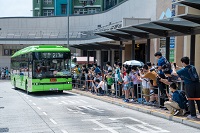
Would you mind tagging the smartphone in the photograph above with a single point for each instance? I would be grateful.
(175, 65)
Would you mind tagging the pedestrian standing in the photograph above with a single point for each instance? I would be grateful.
(191, 86)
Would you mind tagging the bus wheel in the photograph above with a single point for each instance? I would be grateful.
(15, 85)
(26, 87)
(60, 91)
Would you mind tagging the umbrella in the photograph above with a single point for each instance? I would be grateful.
(134, 63)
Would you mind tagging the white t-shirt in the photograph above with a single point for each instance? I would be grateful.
(145, 82)
(101, 85)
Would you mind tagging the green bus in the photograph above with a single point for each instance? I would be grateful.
(42, 68)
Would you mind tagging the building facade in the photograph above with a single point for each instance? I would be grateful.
(59, 7)
(51, 7)
(110, 3)
(87, 6)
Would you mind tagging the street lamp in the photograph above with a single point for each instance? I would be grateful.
(68, 3)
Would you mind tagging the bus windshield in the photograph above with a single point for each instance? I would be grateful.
(50, 65)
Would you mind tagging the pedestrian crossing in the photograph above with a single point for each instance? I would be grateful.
(65, 100)
(84, 109)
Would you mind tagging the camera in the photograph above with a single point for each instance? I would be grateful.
(158, 78)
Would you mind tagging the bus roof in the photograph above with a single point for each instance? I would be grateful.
(41, 48)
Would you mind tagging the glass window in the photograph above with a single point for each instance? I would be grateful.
(63, 8)
(49, 65)
(48, 12)
(48, 2)
(37, 1)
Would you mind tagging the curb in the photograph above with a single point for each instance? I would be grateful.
(182, 120)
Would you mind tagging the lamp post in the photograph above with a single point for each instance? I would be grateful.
(68, 6)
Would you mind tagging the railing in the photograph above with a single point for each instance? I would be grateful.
(116, 89)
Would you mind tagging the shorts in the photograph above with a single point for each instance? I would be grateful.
(145, 91)
(155, 89)
(126, 87)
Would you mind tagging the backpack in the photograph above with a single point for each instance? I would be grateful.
(193, 74)
(167, 65)
(184, 99)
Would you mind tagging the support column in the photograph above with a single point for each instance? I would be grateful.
(102, 60)
(112, 56)
(120, 51)
(98, 57)
(192, 50)
(133, 50)
(88, 57)
(109, 55)
(94, 53)
(147, 49)
(167, 47)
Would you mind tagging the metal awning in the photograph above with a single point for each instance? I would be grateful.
(191, 3)
(96, 46)
(192, 18)
(104, 34)
(175, 26)
(178, 24)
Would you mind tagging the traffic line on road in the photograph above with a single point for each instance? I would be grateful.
(146, 128)
(64, 102)
(103, 127)
(34, 104)
(30, 100)
(64, 131)
(45, 98)
(44, 113)
(83, 101)
(55, 98)
(39, 108)
(52, 121)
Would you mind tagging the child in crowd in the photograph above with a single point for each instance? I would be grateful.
(145, 86)
(176, 103)
(126, 87)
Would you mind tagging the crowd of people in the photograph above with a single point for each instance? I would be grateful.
(148, 84)
(4, 73)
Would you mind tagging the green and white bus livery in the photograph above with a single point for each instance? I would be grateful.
(42, 68)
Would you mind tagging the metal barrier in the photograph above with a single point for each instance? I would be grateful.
(116, 90)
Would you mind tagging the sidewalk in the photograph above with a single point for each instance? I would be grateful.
(142, 108)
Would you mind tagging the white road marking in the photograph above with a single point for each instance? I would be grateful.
(45, 98)
(39, 108)
(128, 118)
(55, 98)
(26, 97)
(90, 108)
(30, 100)
(75, 111)
(59, 103)
(71, 101)
(141, 128)
(79, 108)
(95, 108)
(70, 109)
(146, 128)
(34, 104)
(103, 127)
(44, 113)
(83, 101)
(52, 121)
(64, 131)
(64, 102)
